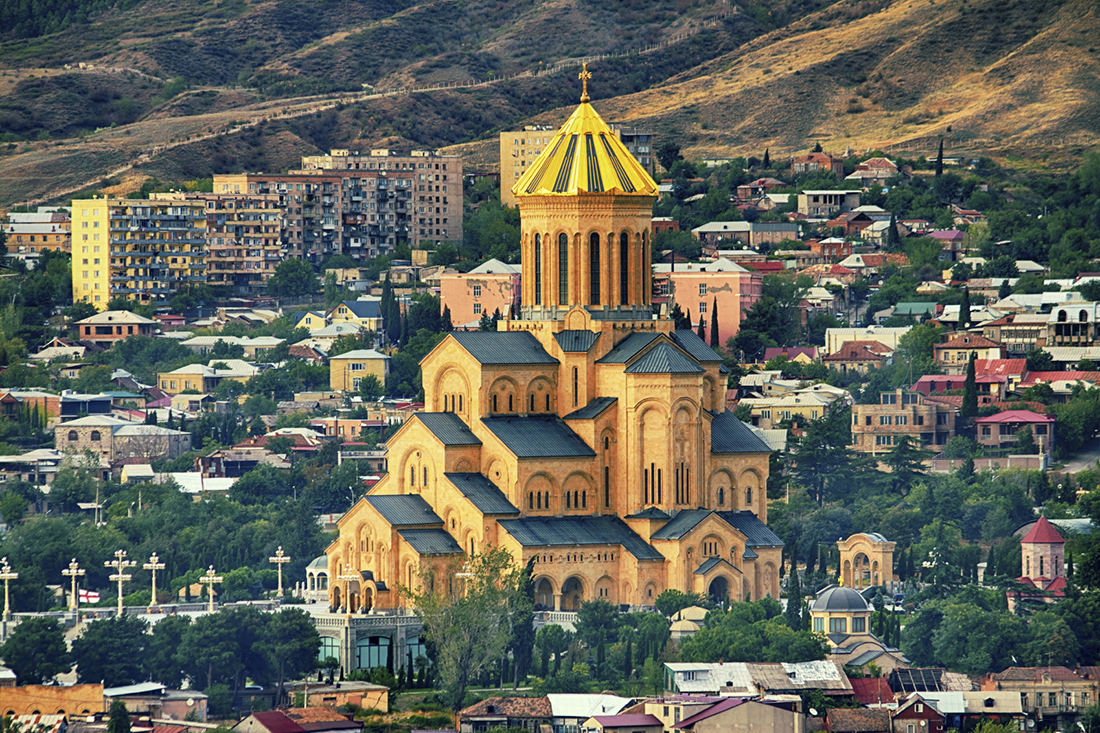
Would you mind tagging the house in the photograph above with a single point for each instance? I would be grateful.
(857, 720)
(800, 406)
(859, 356)
(1048, 693)
(953, 242)
(752, 679)
(757, 188)
(835, 338)
(843, 616)
(915, 714)
(253, 347)
(297, 720)
(110, 326)
(309, 320)
(348, 369)
(1073, 325)
(800, 354)
(571, 710)
(876, 428)
(60, 348)
(236, 462)
(990, 388)
(638, 723)
(718, 232)
(873, 171)
(365, 695)
(742, 715)
(831, 247)
(965, 710)
(825, 204)
(1018, 332)
(916, 679)
(73, 404)
(817, 162)
(115, 439)
(873, 264)
(365, 312)
(1000, 432)
(506, 712)
(700, 287)
(491, 287)
(850, 223)
(953, 355)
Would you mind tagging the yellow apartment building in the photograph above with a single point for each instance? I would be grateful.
(143, 250)
(347, 369)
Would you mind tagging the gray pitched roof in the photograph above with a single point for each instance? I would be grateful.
(431, 541)
(649, 513)
(709, 563)
(748, 554)
(552, 531)
(403, 510)
(448, 427)
(592, 409)
(362, 308)
(538, 436)
(756, 532)
(625, 350)
(730, 435)
(690, 342)
(681, 524)
(664, 358)
(574, 341)
(503, 347)
(482, 493)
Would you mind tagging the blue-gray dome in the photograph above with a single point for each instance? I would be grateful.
(840, 600)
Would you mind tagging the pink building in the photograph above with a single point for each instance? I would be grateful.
(700, 286)
(491, 286)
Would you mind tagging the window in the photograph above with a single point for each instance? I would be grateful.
(477, 291)
(477, 308)
(819, 625)
(95, 436)
(538, 269)
(889, 398)
(72, 435)
(356, 366)
(702, 307)
(885, 420)
(702, 288)
(594, 268)
(563, 269)
(624, 267)
(838, 626)
(859, 625)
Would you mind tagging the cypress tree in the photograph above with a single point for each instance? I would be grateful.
(628, 661)
(991, 562)
(807, 621)
(544, 662)
(702, 332)
(892, 238)
(964, 309)
(970, 390)
(714, 324)
(794, 597)
(445, 320)
(1004, 290)
(767, 158)
(939, 160)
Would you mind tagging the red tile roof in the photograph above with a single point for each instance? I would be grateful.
(969, 341)
(512, 707)
(1035, 377)
(791, 352)
(1043, 533)
(857, 720)
(276, 722)
(1002, 367)
(1035, 674)
(1015, 416)
(860, 351)
(872, 690)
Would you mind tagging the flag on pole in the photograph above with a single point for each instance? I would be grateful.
(89, 596)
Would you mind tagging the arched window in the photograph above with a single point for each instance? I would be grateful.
(584, 500)
(530, 500)
(624, 267)
(412, 475)
(1061, 316)
(594, 268)
(425, 476)
(748, 496)
(460, 403)
(576, 389)
(607, 486)
(539, 497)
(563, 269)
(509, 403)
(1083, 316)
(548, 402)
(606, 442)
(538, 269)
(495, 403)
(568, 504)
(72, 435)
(721, 496)
(95, 435)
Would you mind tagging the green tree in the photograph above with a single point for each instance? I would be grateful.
(35, 651)
(667, 154)
(1025, 443)
(714, 324)
(1040, 361)
(596, 623)
(823, 464)
(161, 649)
(964, 309)
(112, 651)
(553, 639)
(906, 463)
(292, 278)
(468, 618)
(970, 390)
(370, 389)
(751, 631)
(672, 601)
(793, 611)
(118, 720)
(523, 627)
(292, 643)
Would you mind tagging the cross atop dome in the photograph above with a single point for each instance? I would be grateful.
(584, 76)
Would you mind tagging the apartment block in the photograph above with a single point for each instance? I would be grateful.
(143, 250)
(519, 149)
(243, 240)
(877, 428)
(31, 233)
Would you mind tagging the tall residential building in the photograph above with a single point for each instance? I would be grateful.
(518, 150)
(143, 250)
(243, 238)
(361, 205)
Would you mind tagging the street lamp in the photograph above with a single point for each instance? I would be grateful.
(280, 559)
(209, 580)
(6, 575)
(154, 564)
(120, 563)
(73, 572)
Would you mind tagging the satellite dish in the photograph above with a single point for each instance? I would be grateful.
(1031, 724)
(813, 712)
(923, 723)
(190, 701)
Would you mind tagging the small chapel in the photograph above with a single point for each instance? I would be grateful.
(588, 434)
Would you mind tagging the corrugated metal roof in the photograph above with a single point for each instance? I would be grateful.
(578, 531)
(708, 565)
(625, 350)
(482, 493)
(592, 409)
(756, 532)
(664, 358)
(538, 436)
(403, 510)
(730, 435)
(748, 554)
(649, 513)
(584, 705)
(681, 524)
(690, 342)
(503, 347)
(577, 340)
(448, 427)
(431, 541)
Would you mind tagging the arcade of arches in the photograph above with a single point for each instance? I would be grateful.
(588, 435)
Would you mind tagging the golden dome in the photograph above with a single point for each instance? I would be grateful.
(586, 156)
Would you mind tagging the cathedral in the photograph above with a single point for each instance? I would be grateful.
(588, 434)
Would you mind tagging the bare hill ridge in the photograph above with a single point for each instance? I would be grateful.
(999, 77)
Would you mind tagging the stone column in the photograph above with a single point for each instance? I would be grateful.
(557, 601)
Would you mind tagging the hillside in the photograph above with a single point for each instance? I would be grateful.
(1007, 79)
